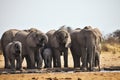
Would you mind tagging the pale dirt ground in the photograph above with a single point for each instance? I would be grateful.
(107, 59)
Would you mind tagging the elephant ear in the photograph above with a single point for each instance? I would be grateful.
(30, 39)
(54, 41)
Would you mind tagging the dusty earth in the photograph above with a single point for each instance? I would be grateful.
(108, 61)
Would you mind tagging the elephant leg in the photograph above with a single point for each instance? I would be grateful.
(91, 58)
(66, 58)
(76, 56)
(46, 62)
(28, 62)
(76, 60)
(54, 61)
(18, 63)
(57, 60)
(39, 60)
(84, 59)
(50, 63)
(49, 60)
(7, 65)
(32, 61)
(97, 60)
(12, 63)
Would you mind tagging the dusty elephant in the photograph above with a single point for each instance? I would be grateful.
(59, 42)
(75, 48)
(14, 52)
(31, 43)
(98, 34)
(6, 38)
(47, 56)
(83, 47)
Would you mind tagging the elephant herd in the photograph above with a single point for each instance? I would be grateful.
(36, 46)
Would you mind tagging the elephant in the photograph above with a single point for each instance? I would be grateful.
(75, 47)
(6, 38)
(47, 56)
(31, 41)
(83, 47)
(59, 42)
(14, 52)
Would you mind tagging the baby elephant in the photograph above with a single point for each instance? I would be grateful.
(14, 52)
(47, 56)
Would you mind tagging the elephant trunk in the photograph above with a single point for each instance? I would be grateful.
(45, 39)
(68, 43)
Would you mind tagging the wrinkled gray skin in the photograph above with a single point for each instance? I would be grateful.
(14, 52)
(32, 41)
(59, 42)
(47, 56)
(83, 47)
(88, 46)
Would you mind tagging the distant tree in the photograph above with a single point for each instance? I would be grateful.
(116, 34)
(113, 37)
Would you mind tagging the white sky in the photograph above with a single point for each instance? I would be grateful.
(51, 14)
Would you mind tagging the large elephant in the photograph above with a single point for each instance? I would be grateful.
(14, 52)
(83, 47)
(59, 42)
(47, 56)
(32, 41)
(6, 38)
(75, 47)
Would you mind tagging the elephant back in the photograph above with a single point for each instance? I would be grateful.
(8, 37)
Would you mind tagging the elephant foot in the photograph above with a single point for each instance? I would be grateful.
(31, 67)
(7, 67)
(92, 69)
(57, 66)
(84, 69)
(22, 69)
(13, 69)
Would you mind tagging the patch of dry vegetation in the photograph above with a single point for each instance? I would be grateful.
(108, 47)
(111, 42)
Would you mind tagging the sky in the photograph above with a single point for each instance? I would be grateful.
(51, 14)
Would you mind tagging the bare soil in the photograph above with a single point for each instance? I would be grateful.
(108, 60)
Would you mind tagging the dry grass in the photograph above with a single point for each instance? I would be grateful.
(114, 47)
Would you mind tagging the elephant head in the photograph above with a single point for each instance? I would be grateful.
(63, 38)
(36, 39)
(17, 47)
